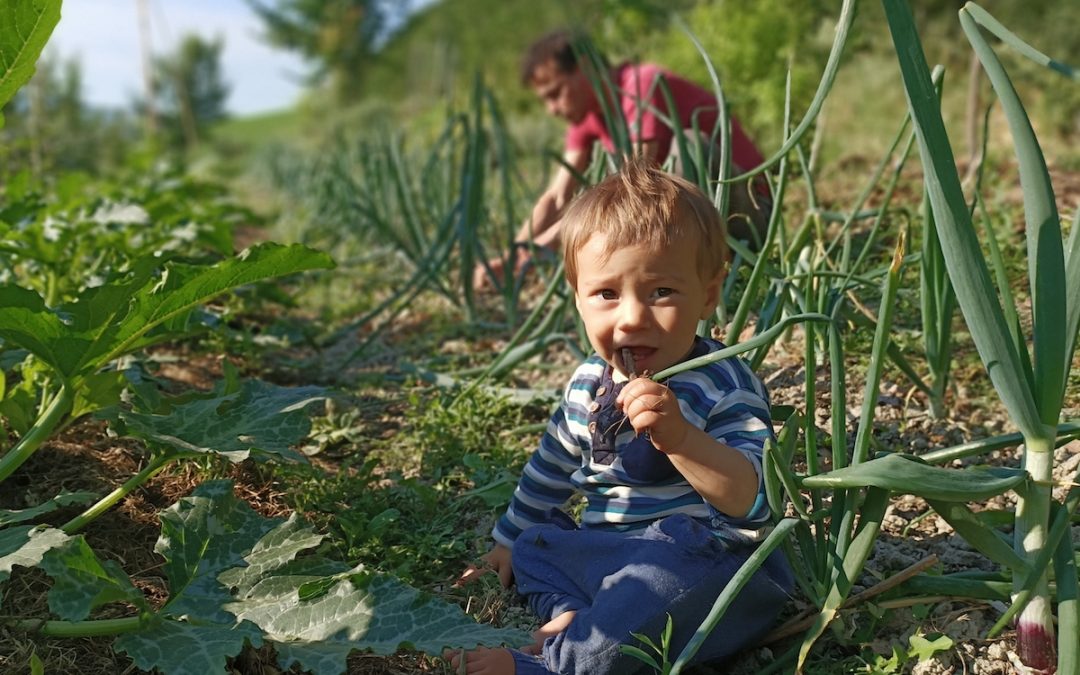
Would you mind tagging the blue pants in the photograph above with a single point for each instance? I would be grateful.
(622, 583)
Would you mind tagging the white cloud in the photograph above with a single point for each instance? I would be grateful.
(103, 36)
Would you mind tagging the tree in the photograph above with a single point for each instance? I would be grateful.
(189, 90)
(753, 46)
(49, 126)
(338, 37)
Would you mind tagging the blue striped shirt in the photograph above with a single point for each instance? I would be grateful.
(724, 398)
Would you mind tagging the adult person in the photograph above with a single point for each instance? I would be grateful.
(551, 69)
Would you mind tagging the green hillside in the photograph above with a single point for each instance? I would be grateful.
(436, 54)
(429, 67)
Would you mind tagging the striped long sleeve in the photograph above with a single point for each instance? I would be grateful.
(725, 399)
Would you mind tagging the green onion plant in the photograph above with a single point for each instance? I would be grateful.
(1032, 394)
(435, 211)
(1031, 386)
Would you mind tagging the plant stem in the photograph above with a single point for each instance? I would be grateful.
(72, 629)
(533, 319)
(877, 356)
(766, 337)
(757, 275)
(1035, 627)
(1065, 431)
(110, 500)
(741, 577)
(42, 429)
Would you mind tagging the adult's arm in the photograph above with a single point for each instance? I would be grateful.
(542, 227)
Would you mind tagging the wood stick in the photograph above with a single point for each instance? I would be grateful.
(628, 362)
(806, 619)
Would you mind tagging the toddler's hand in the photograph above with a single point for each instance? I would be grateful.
(650, 406)
(496, 560)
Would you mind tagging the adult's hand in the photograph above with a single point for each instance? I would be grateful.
(483, 280)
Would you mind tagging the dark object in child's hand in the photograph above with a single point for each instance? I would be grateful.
(628, 362)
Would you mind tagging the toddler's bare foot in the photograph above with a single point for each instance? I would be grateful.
(483, 661)
(549, 629)
(486, 661)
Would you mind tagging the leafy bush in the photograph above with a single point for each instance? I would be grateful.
(752, 46)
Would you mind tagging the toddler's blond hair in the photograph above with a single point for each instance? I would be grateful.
(642, 204)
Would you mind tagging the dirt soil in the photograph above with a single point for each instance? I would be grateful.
(912, 534)
(86, 458)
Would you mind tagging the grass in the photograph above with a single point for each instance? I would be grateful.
(422, 480)
(253, 130)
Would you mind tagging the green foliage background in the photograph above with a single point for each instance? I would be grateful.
(432, 60)
(751, 45)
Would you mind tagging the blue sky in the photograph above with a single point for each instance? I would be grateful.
(103, 36)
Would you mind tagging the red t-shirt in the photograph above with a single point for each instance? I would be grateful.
(639, 90)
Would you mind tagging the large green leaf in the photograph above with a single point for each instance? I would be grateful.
(963, 255)
(203, 535)
(187, 648)
(82, 582)
(373, 613)
(184, 287)
(25, 27)
(316, 619)
(228, 565)
(99, 312)
(26, 321)
(908, 475)
(98, 390)
(274, 551)
(25, 546)
(261, 417)
(126, 314)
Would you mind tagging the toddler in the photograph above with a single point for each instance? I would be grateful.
(671, 471)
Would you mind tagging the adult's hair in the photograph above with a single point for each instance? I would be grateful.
(562, 46)
(643, 204)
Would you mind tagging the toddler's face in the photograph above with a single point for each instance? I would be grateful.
(647, 300)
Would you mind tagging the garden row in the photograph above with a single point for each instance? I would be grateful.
(826, 270)
(96, 274)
